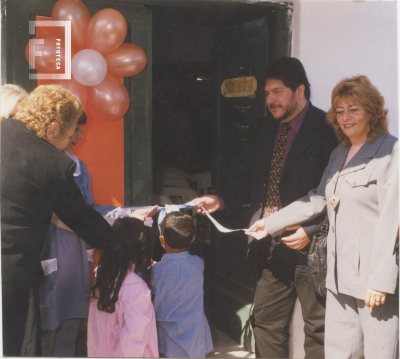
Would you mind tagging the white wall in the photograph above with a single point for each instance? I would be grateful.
(337, 39)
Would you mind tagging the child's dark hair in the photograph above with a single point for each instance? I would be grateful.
(128, 245)
(178, 230)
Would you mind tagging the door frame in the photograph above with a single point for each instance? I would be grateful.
(134, 173)
(138, 179)
(138, 186)
(232, 300)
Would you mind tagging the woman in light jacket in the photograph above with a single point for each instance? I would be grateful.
(359, 190)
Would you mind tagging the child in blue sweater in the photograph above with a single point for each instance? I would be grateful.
(182, 326)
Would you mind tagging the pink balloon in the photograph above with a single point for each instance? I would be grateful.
(128, 60)
(110, 99)
(79, 15)
(106, 31)
(72, 85)
(51, 48)
(89, 67)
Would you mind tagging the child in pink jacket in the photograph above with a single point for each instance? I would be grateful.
(121, 316)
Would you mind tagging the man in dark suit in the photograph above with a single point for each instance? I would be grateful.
(292, 147)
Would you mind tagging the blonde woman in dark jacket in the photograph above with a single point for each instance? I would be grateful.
(37, 180)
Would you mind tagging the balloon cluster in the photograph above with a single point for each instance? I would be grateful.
(98, 55)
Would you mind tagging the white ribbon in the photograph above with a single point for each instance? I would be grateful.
(226, 230)
(126, 212)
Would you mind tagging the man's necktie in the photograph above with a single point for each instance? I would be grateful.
(271, 202)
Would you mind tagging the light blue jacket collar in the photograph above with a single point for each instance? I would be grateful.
(172, 256)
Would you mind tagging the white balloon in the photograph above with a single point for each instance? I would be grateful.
(89, 67)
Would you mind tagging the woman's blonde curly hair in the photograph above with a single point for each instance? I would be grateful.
(47, 104)
(360, 90)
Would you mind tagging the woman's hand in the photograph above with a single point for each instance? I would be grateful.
(297, 240)
(374, 298)
(209, 202)
(142, 213)
(259, 228)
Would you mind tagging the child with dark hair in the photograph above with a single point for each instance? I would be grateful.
(121, 315)
(177, 280)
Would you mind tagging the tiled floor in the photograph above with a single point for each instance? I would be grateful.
(225, 347)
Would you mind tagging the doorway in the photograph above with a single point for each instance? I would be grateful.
(196, 130)
(178, 117)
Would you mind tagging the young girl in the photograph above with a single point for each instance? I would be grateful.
(121, 316)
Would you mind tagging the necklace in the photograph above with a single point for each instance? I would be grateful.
(334, 200)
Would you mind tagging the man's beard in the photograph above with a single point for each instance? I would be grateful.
(288, 110)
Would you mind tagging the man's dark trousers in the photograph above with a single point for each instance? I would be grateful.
(281, 271)
(274, 301)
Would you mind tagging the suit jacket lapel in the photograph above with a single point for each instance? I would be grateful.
(337, 164)
(300, 143)
(367, 151)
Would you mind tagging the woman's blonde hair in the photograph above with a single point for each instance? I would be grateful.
(359, 89)
(11, 95)
(47, 104)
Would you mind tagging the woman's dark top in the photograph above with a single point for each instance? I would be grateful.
(36, 180)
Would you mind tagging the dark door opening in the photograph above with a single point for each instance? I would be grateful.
(185, 79)
(195, 129)
(196, 46)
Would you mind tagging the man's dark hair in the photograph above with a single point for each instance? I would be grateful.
(290, 71)
(82, 120)
(178, 230)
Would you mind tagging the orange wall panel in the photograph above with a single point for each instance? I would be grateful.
(102, 150)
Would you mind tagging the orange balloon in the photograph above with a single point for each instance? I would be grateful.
(72, 85)
(53, 54)
(109, 99)
(79, 15)
(106, 31)
(128, 60)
